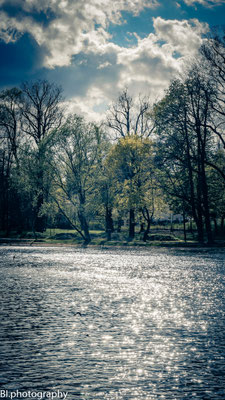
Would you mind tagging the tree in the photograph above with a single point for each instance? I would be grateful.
(130, 161)
(10, 136)
(104, 190)
(10, 119)
(41, 114)
(213, 65)
(213, 62)
(127, 117)
(201, 93)
(217, 192)
(185, 141)
(77, 147)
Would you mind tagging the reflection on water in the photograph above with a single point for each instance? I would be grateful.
(126, 324)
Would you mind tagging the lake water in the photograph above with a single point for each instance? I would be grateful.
(113, 324)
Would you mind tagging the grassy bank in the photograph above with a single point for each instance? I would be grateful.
(157, 237)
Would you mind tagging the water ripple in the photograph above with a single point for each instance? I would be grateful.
(131, 324)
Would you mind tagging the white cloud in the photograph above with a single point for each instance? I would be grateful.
(76, 37)
(104, 65)
(160, 56)
(93, 106)
(12, 28)
(74, 24)
(183, 36)
(144, 69)
(206, 3)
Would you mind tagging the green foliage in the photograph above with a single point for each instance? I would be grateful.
(67, 172)
(76, 161)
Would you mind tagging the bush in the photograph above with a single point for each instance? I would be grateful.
(161, 237)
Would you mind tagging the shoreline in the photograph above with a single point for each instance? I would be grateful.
(108, 246)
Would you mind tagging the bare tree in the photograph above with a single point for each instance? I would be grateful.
(41, 114)
(213, 65)
(213, 52)
(185, 144)
(41, 109)
(127, 117)
(10, 118)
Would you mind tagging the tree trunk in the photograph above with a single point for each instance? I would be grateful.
(119, 224)
(208, 224)
(148, 219)
(171, 223)
(199, 220)
(200, 227)
(215, 225)
(83, 220)
(146, 232)
(184, 227)
(6, 215)
(109, 227)
(142, 227)
(4, 200)
(206, 201)
(40, 220)
(222, 223)
(84, 226)
(131, 224)
(191, 226)
(196, 209)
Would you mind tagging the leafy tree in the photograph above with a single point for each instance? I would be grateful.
(217, 191)
(41, 114)
(104, 190)
(77, 149)
(131, 162)
(184, 143)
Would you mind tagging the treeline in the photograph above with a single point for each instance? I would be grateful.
(145, 160)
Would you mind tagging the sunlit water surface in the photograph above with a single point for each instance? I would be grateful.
(151, 325)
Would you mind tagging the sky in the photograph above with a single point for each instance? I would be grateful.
(94, 49)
